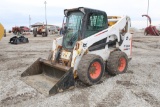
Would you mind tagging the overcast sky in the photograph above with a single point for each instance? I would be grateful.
(16, 12)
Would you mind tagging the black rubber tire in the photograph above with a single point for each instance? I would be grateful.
(145, 33)
(46, 32)
(35, 32)
(15, 33)
(114, 61)
(43, 35)
(85, 64)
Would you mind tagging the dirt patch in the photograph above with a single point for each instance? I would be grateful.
(137, 40)
(17, 99)
(152, 100)
(155, 46)
(81, 99)
(16, 66)
(130, 72)
(158, 63)
(126, 83)
(113, 99)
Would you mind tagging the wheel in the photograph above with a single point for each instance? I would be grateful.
(145, 33)
(15, 33)
(35, 32)
(43, 35)
(117, 63)
(46, 34)
(90, 69)
(158, 33)
(21, 32)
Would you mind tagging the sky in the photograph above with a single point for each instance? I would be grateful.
(16, 12)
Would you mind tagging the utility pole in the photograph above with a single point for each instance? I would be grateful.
(45, 13)
(29, 22)
(147, 11)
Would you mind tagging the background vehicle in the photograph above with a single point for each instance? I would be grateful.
(41, 30)
(20, 30)
(54, 29)
(92, 44)
(152, 30)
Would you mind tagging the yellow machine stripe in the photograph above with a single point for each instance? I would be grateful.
(1, 31)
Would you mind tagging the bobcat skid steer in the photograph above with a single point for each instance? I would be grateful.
(91, 45)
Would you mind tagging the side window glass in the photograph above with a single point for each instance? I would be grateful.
(95, 24)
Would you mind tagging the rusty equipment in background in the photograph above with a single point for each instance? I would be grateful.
(19, 30)
(1, 31)
(41, 30)
(151, 30)
(87, 49)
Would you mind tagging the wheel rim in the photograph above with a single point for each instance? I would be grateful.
(122, 64)
(95, 70)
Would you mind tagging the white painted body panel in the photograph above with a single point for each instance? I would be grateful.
(111, 33)
(56, 42)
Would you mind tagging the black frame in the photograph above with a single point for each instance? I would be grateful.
(86, 12)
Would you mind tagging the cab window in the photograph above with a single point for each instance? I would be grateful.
(95, 23)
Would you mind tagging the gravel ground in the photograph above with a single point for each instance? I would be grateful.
(139, 87)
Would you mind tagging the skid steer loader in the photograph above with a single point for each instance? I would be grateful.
(92, 44)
